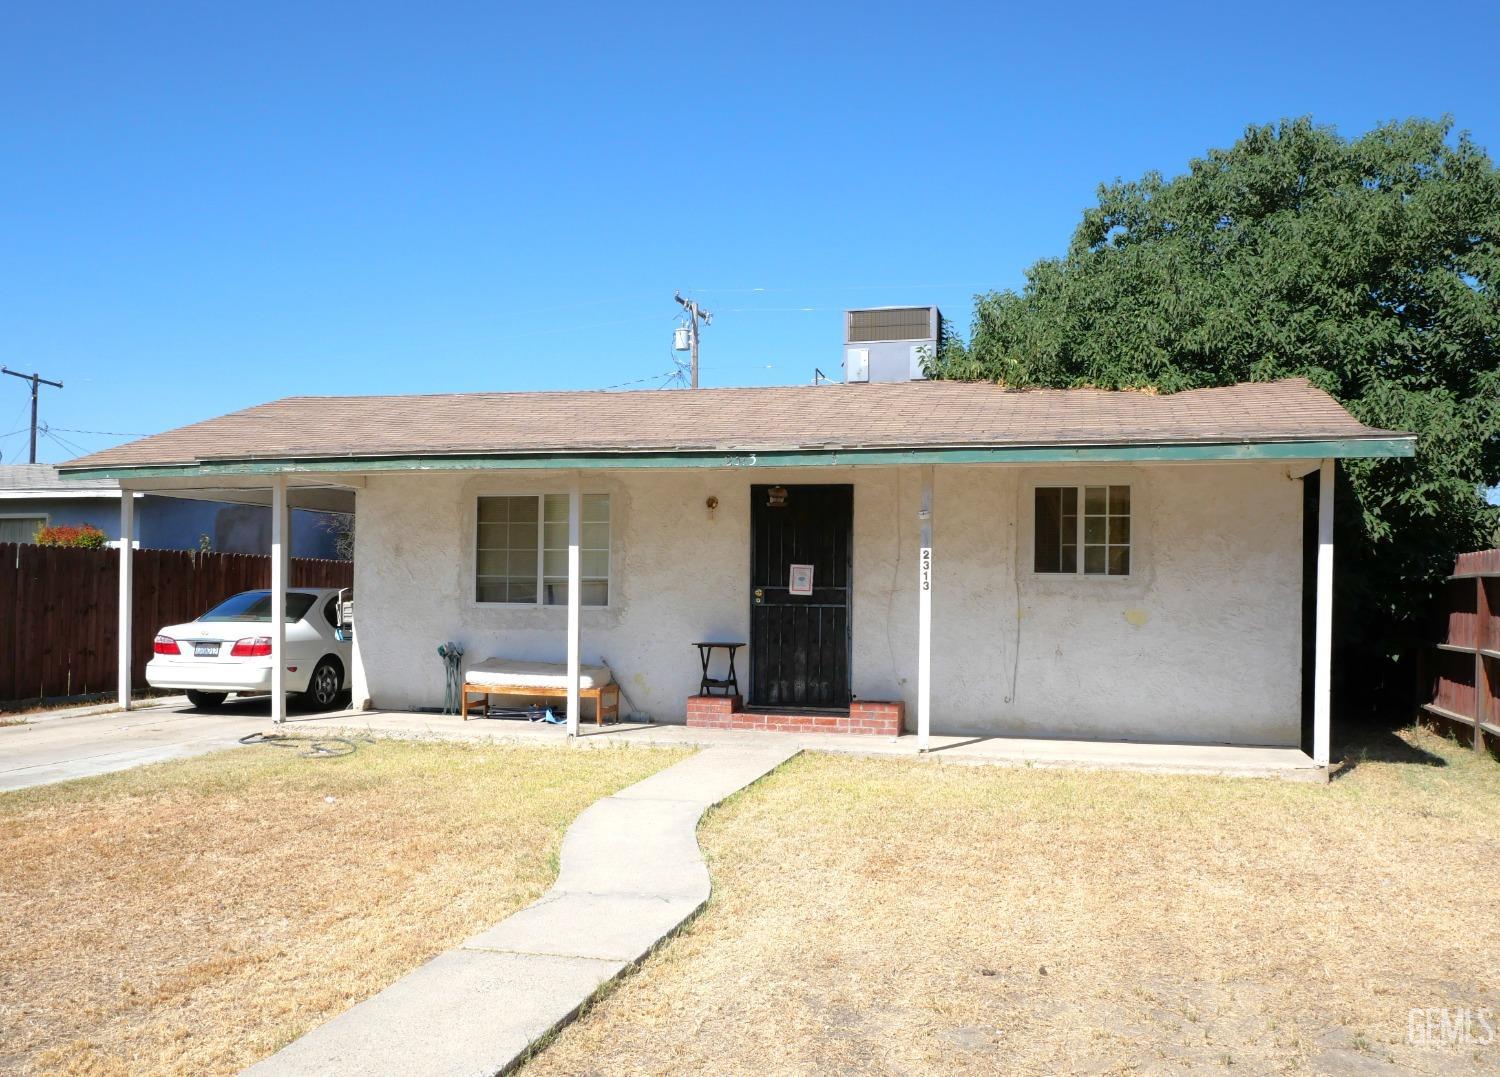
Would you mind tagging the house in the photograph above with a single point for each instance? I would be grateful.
(33, 495)
(934, 556)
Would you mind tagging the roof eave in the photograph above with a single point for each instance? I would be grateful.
(52, 493)
(1381, 444)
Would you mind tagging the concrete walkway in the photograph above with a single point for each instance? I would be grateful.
(631, 873)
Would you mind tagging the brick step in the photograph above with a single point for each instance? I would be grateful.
(869, 717)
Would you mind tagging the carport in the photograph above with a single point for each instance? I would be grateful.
(284, 493)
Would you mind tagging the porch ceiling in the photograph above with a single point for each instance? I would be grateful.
(318, 495)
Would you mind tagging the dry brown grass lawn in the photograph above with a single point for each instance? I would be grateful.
(893, 917)
(194, 916)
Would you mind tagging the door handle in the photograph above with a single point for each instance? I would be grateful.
(760, 595)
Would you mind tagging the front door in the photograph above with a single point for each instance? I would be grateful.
(801, 564)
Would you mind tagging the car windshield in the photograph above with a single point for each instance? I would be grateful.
(256, 606)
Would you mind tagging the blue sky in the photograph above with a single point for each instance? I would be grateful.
(203, 207)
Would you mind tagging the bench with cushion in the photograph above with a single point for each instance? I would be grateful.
(520, 677)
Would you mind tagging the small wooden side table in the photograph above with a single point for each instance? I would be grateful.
(728, 686)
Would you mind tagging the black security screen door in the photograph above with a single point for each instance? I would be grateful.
(799, 643)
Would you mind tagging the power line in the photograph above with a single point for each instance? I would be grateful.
(76, 450)
(104, 433)
(554, 307)
(36, 382)
(642, 381)
(774, 310)
(851, 288)
(6, 437)
(19, 412)
(579, 328)
(52, 431)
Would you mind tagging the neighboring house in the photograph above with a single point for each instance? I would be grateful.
(1086, 564)
(33, 495)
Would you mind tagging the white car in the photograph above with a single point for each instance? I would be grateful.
(228, 649)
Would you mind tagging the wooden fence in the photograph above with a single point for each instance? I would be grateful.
(59, 609)
(1461, 678)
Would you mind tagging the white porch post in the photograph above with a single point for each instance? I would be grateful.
(280, 536)
(924, 615)
(1323, 635)
(575, 600)
(127, 593)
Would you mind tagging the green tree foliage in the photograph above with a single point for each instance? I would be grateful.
(1369, 266)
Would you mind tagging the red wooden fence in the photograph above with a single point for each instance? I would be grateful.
(59, 609)
(1461, 688)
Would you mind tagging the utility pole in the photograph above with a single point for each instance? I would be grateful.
(36, 381)
(694, 313)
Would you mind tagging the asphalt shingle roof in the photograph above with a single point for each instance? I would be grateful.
(869, 416)
(43, 477)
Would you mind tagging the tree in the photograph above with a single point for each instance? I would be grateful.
(1369, 266)
(341, 526)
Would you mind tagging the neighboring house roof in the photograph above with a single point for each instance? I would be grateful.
(43, 481)
(846, 419)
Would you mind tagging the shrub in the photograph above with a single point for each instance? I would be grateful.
(79, 537)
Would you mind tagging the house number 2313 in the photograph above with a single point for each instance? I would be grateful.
(926, 568)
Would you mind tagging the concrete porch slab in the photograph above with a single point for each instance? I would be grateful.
(1224, 760)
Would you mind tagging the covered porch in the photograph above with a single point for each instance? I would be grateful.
(662, 605)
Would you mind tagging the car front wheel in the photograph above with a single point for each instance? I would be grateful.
(206, 701)
(323, 686)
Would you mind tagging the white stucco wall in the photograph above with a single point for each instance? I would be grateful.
(1200, 643)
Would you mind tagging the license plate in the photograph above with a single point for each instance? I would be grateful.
(205, 650)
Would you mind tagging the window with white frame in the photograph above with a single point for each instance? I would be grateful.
(1083, 529)
(521, 550)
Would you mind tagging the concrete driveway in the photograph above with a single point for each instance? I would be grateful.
(59, 749)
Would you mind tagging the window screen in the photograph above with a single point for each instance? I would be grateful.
(521, 550)
(20, 528)
(593, 551)
(506, 564)
(1056, 529)
(1106, 530)
(1102, 530)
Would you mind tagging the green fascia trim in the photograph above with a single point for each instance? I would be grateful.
(1266, 450)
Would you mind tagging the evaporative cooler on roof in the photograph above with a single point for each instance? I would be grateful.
(889, 343)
